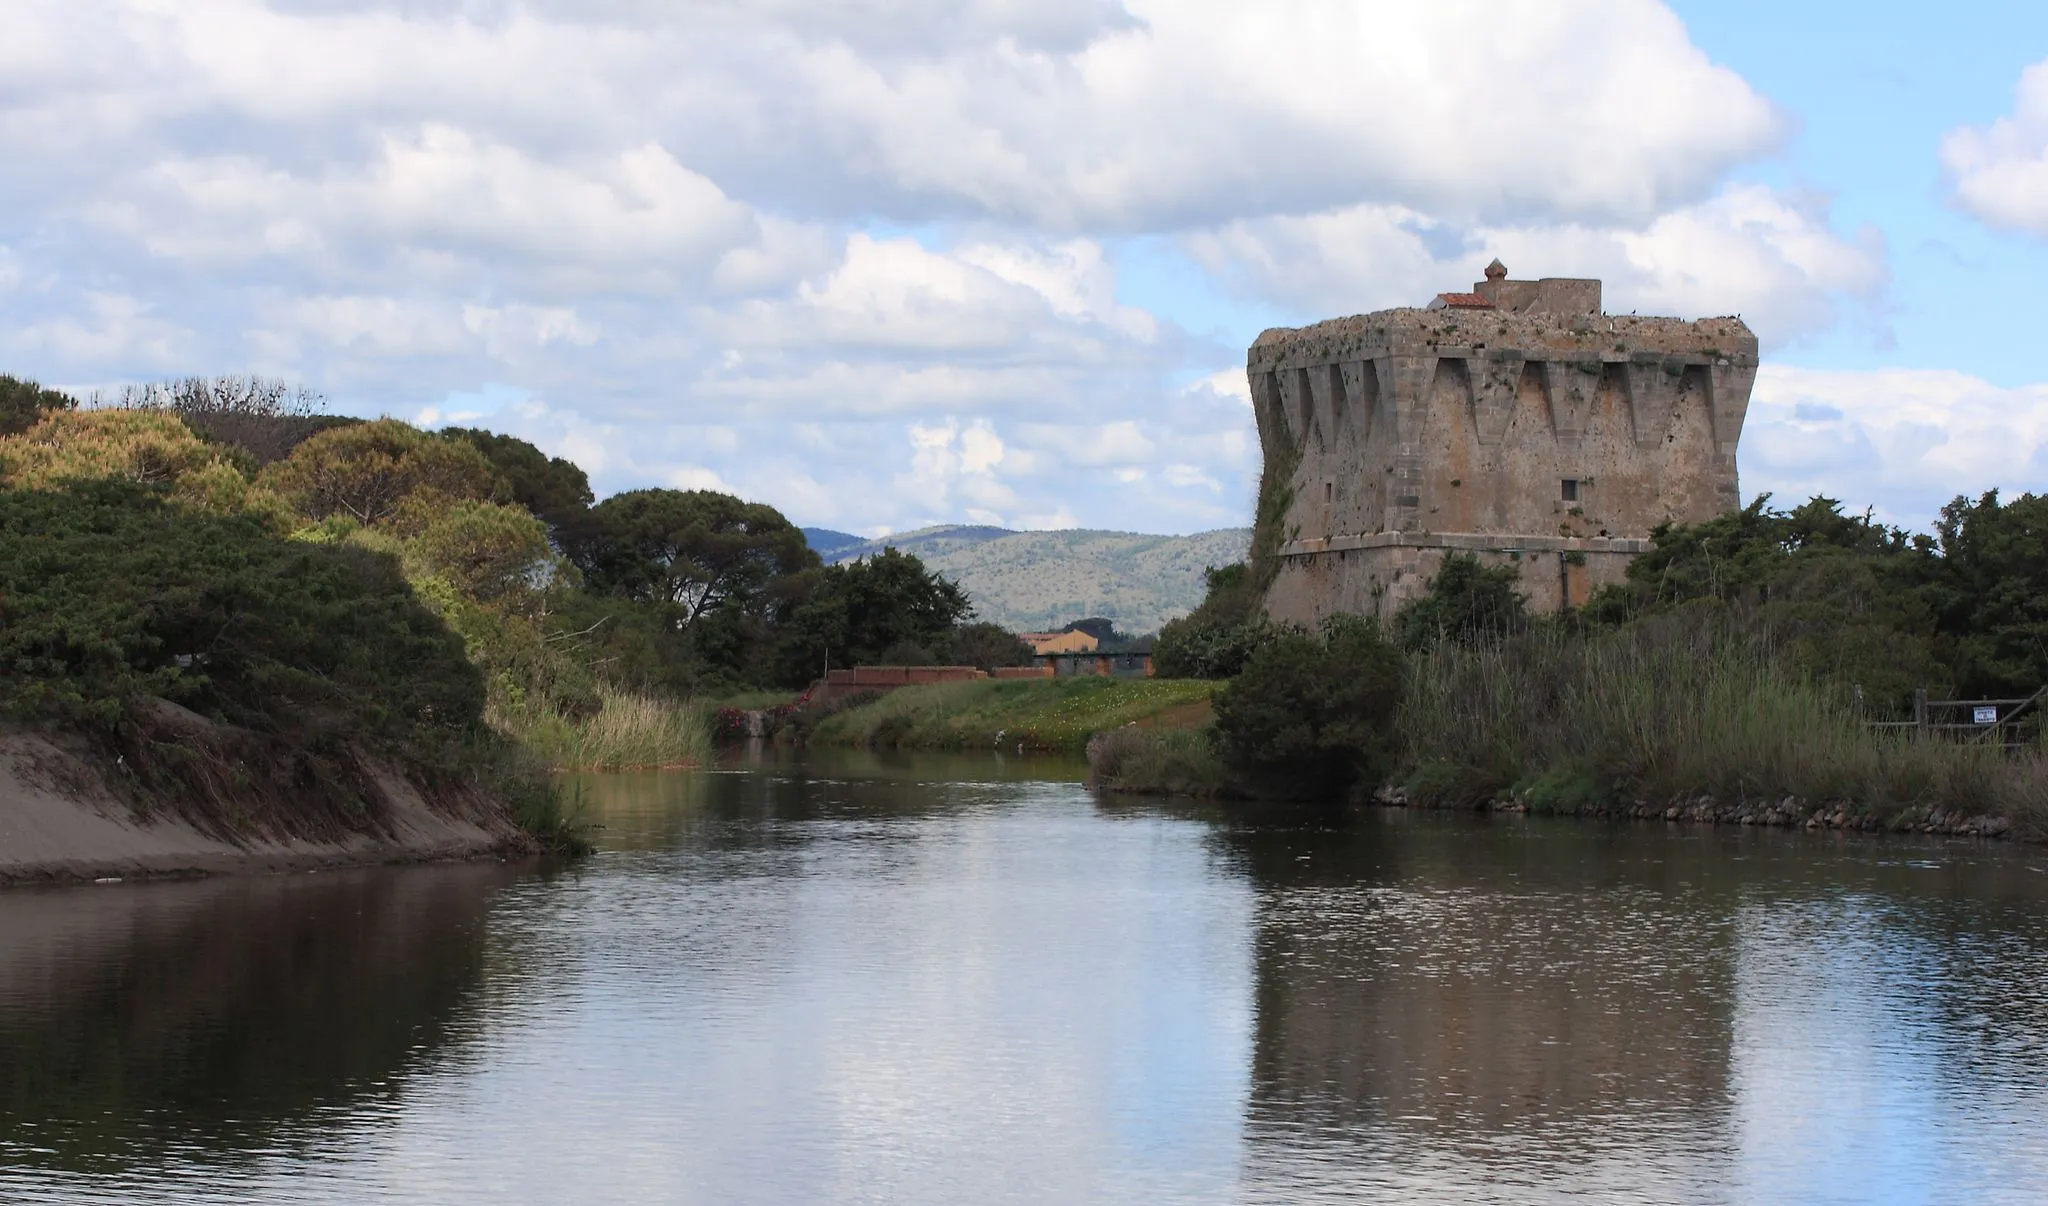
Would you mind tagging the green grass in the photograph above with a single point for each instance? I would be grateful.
(630, 731)
(1045, 714)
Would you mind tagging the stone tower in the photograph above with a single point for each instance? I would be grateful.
(1516, 422)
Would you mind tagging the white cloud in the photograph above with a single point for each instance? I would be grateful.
(1746, 250)
(1903, 441)
(116, 331)
(696, 477)
(859, 260)
(1203, 109)
(2000, 172)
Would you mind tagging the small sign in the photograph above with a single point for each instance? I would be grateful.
(1984, 715)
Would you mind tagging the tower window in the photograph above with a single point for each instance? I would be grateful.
(1329, 491)
(1571, 489)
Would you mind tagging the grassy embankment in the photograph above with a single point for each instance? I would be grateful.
(1045, 715)
(1642, 721)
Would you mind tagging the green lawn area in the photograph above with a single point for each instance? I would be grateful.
(1047, 714)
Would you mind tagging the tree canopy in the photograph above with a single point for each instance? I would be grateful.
(862, 610)
(24, 403)
(692, 552)
(381, 473)
(548, 486)
(145, 448)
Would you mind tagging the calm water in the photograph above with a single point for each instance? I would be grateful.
(963, 981)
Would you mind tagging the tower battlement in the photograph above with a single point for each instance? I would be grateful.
(1517, 422)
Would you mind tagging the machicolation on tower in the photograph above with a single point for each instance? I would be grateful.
(1516, 422)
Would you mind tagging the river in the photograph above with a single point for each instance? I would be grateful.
(962, 980)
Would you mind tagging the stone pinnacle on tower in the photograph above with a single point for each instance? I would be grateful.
(1496, 271)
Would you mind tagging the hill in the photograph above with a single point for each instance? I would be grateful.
(825, 542)
(1038, 580)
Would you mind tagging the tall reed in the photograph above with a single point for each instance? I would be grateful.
(1679, 707)
(629, 730)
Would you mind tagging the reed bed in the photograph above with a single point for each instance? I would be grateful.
(628, 731)
(1699, 715)
(1178, 762)
(1667, 710)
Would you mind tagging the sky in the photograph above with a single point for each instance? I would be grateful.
(888, 263)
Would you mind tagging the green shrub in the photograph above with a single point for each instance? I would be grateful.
(1466, 602)
(1310, 718)
(1215, 639)
(1179, 762)
(109, 594)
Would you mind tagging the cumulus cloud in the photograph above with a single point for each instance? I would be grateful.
(2000, 172)
(1901, 441)
(861, 260)
(1746, 250)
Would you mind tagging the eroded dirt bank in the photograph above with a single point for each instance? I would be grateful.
(62, 819)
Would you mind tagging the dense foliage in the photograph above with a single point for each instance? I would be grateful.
(881, 610)
(1309, 717)
(24, 403)
(550, 487)
(689, 553)
(1855, 602)
(110, 593)
(560, 604)
(381, 472)
(1218, 637)
(1466, 602)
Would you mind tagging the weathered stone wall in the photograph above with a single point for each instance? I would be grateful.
(1417, 432)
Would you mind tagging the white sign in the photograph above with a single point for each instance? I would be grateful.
(1984, 715)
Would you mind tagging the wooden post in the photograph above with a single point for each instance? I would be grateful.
(1919, 713)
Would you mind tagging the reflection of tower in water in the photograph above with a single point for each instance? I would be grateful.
(1439, 1001)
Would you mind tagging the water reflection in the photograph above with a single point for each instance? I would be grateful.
(200, 1018)
(1479, 1010)
(860, 978)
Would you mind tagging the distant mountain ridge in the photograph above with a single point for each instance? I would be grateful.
(825, 542)
(1033, 581)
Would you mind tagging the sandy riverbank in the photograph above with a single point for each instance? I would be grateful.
(60, 821)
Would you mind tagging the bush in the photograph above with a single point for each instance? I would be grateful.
(1668, 708)
(627, 731)
(1466, 602)
(1215, 639)
(1179, 762)
(1187, 648)
(258, 419)
(1310, 718)
(110, 595)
